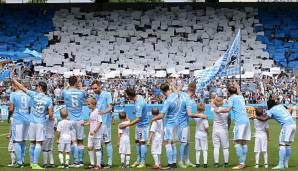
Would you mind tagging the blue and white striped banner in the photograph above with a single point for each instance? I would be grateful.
(221, 66)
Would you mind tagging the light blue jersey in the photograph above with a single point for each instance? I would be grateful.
(182, 116)
(74, 101)
(170, 109)
(102, 103)
(21, 104)
(40, 103)
(281, 115)
(141, 112)
(238, 107)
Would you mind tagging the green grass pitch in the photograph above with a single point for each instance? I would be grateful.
(272, 151)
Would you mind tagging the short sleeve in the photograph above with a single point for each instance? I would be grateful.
(31, 93)
(165, 107)
(99, 119)
(109, 98)
(50, 103)
(59, 127)
(189, 103)
(138, 110)
(230, 102)
(153, 127)
(11, 98)
(269, 113)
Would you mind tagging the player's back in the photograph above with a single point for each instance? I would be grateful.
(21, 103)
(185, 103)
(170, 108)
(281, 115)
(40, 104)
(141, 111)
(74, 101)
(238, 107)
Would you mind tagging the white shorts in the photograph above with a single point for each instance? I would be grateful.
(156, 147)
(141, 134)
(124, 147)
(261, 142)
(183, 134)
(94, 142)
(242, 132)
(220, 137)
(47, 145)
(64, 147)
(10, 147)
(170, 133)
(36, 132)
(106, 133)
(287, 134)
(201, 144)
(20, 132)
(78, 133)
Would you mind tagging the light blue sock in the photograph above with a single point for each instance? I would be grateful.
(282, 155)
(23, 146)
(288, 154)
(18, 152)
(81, 153)
(37, 151)
(245, 150)
(182, 151)
(138, 146)
(239, 152)
(31, 152)
(110, 153)
(174, 157)
(186, 153)
(75, 153)
(143, 153)
(169, 152)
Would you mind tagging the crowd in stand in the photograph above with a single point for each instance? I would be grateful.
(256, 90)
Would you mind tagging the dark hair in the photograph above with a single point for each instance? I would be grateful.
(122, 115)
(232, 90)
(259, 111)
(43, 86)
(155, 111)
(130, 92)
(95, 82)
(270, 104)
(72, 80)
(192, 87)
(164, 87)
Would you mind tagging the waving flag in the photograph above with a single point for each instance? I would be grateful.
(27, 54)
(221, 66)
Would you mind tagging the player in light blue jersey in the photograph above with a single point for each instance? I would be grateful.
(19, 105)
(74, 98)
(169, 113)
(288, 129)
(104, 107)
(184, 113)
(142, 126)
(41, 106)
(241, 131)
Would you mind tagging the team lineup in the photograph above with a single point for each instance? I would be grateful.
(31, 118)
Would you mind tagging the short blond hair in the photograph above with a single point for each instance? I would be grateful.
(63, 113)
(218, 101)
(92, 101)
(201, 107)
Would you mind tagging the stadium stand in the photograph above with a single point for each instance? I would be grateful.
(155, 41)
(280, 30)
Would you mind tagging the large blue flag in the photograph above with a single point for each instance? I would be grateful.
(221, 66)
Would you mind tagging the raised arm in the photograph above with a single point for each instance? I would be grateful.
(263, 117)
(23, 88)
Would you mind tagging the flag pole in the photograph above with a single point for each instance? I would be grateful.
(240, 58)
